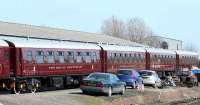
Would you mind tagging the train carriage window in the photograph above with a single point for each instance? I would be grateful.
(61, 57)
(134, 57)
(79, 57)
(115, 57)
(70, 57)
(94, 57)
(50, 57)
(159, 56)
(129, 58)
(29, 57)
(111, 57)
(115, 54)
(155, 56)
(39, 57)
(142, 57)
(126, 57)
(88, 57)
(138, 57)
(120, 57)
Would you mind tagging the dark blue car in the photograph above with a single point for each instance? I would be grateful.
(103, 82)
(129, 76)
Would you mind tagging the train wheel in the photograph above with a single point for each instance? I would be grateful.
(109, 92)
(32, 88)
(15, 90)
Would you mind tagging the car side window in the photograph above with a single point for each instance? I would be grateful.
(155, 74)
(114, 79)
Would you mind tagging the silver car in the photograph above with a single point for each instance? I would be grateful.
(150, 78)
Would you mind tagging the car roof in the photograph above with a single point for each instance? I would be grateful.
(128, 69)
(102, 73)
(148, 70)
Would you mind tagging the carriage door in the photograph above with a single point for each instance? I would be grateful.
(12, 59)
(148, 60)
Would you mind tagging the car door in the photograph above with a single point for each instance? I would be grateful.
(116, 83)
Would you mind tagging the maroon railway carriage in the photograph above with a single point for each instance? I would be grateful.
(26, 64)
(161, 60)
(116, 57)
(4, 60)
(185, 60)
(50, 63)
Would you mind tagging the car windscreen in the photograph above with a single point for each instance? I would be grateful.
(145, 73)
(100, 77)
(125, 72)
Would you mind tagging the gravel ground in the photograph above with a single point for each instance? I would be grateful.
(59, 97)
(75, 97)
(192, 101)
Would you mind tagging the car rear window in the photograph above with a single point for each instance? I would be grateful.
(101, 77)
(145, 73)
(125, 72)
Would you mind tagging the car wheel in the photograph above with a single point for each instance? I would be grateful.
(123, 90)
(84, 92)
(109, 91)
(155, 85)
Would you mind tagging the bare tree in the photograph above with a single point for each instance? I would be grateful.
(114, 27)
(134, 30)
(139, 32)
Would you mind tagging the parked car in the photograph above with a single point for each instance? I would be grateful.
(130, 76)
(103, 82)
(150, 78)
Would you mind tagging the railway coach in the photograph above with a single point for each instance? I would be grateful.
(161, 60)
(27, 64)
(185, 60)
(116, 57)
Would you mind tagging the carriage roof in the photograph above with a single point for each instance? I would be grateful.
(161, 51)
(36, 43)
(122, 48)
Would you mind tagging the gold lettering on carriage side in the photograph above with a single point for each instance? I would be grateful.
(74, 67)
(57, 67)
(52, 67)
(60, 67)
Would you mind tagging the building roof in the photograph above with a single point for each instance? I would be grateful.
(167, 38)
(31, 31)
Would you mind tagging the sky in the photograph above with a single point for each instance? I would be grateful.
(178, 19)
